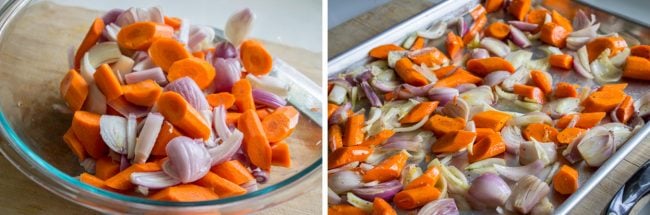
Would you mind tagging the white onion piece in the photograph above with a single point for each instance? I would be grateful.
(96, 101)
(136, 14)
(143, 64)
(512, 137)
(147, 137)
(523, 26)
(580, 20)
(183, 34)
(503, 95)
(532, 117)
(239, 25)
(343, 181)
(516, 173)
(113, 132)
(596, 146)
(486, 165)
(583, 58)
(603, 69)
(219, 122)
(227, 149)
(410, 173)
(480, 53)
(154, 73)
(543, 207)
(374, 189)
(519, 38)
(489, 189)
(200, 38)
(579, 68)
(123, 66)
(131, 134)
(337, 95)
(110, 16)
(188, 159)
(394, 56)
(519, 58)
(263, 97)
(191, 92)
(526, 194)
(269, 83)
(642, 105)
(590, 32)
(478, 96)
(561, 107)
(333, 198)
(456, 108)
(374, 115)
(574, 43)
(497, 47)
(495, 78)
(414, 126)
(106, 52)
(620, 132)
(434, 32)
(110, 32)
(619, 59)
(153, 180)
(443, 206)
(522, 75)
(355, 201)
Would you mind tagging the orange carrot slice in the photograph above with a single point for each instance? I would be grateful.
(413, 198)
(519, 8)
(455, 45)
(488, 147)
(388, 169)
(74, 90)
(493, 5)
(144, 93)
(568, 135)
(167, 133)
(140, 35)
(640, 51)
(220, 186)
(453, 141)
(428, 178)
(106, 168)
(564, 90)
(255, 58)
(281, 155)
(430, 57)
(557, 18)
(182, 115)
(174, 22)
(498, 30)
(529, 92)
(554, 34)
(460, 76)
(224, 98)
(598, 45)
(494, 120)
(562, 61)
(381, 207)
(637, 68)
(92, 180)
(442, 125)
(485, 66)
(281, 123)
(243, 92)
(344, 210)
(381, 52)
(233, 171)
(122, 181)
(91, 38)
(586, 120)
(353, 130)
(185, 193)
(541, 81)
(107, 82)
(256, 143)
(74, 144)
(197, 69)
(420, 111)
(565, 180)
(540, 132)
(625, 110)
(349, 154)
(603, 101)
(405, 70)
(165, 51)
(378, 138)
(86, 127)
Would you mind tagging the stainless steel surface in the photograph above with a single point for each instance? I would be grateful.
(634, 33)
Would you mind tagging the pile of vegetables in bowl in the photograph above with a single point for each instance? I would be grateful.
(468, 117)
(163, 111)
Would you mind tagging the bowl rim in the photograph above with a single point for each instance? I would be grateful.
(8, 11)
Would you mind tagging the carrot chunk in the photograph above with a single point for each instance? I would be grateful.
(224, 98)
(85, 126)
(378, 138)
(243, 92)
(184, 193)
(233, 171)
(349, 154)
(256, 143)
(381, 52)
(92, 180)
(637, 68)
(603, 101)
(554, 34)
(562, 61)
(74, 90)
(585, 120)
(405, 70)
(164, 52)
(420, 111)
(453, 141)
(540, 132)
(74, 144)
(381, 207)
(519, 8)
(565, 180)
(598, 45)
(429, 57)
(428, 178)
(122, 180)
(388, 169)
(494, 120)
(485, 66)
(625, 110)
(91, 38)
(221, 186)
(140, 35)
(280, 124)
(540, 80)
(167, 133)
(557, 18)
(640, 51)
(568, 135)
(564, 90)
(442, 125)
(197, 69)
(460, 76)
(413, 198)
(106, 168)
(255, 58)
(107, 82)
(529, 92)
(344, 210)
(182, 115)
(454, 44)
(493, 5)
(488, 147)
(498, 30)
(353, 130)
(335, 137)
(281, 155)
(144, 93)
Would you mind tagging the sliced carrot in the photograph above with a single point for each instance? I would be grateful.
(568, 135)
(262, 113)
(442, 125)
(378, 138)
(485, 66)
(255, 58)
(617, 86)
(519, 8)
(477, 12)
(331, 108)
(381, 52)
(164, 52)
(529, 92)
(349, 154)
(428, 178)
(562, 61)
(74, 144)
(498, 30)
(281, 123)
(233, 171)
(199, 55)
(537, 16)
(596, 46)
(586, 120)
(475, 30)
(453, 141)
(74, 90)
(430, 57)
(640, 51)
(413, 198)
(167, 133)
(92, 180)
(106, 168)
(625, 110)
(335, 137)
(185, 193)
(388, 169)
(353, 130)
(122, 181)
(554, 34)
(564, 90)
(541, 81)
(603, 101)
(281, 155)
(381, 207)
(540, 132)
(182, 115)
(86, 128)
(565, 180)
(557, 18)
(256, 143)
(140, 35)
(344, 210)
(637, 68)
(418, 44)
(420, 111)
(445, 71)
(494, 120)
(91, 38)
(493, 5)
(243, 92)
(455, 45)
(107, 82)
(232, 118)
(224, 98)
(483, 133)
(144, 93)
(174, 22)
(221, 186)
(197, 69)
(460, 76)
(488, 147)
(405, 70)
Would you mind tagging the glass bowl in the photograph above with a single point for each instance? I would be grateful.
(34, 37)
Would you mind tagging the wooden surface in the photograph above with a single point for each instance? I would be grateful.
(19, 195)
(349, 34)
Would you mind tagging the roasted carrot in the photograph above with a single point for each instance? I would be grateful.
(280, 155)
(494, 120)
(256, 143)
(557, 18)
(537, 16)
(255, 58)
(460, 76)
(167, 133)
(597, 45)
(565, 180)
(493, 5)
(637, 68)
(381, 52)
(428, 178)
(430, 57)
(345, 155)
(106, 168)
(197, 69)
(475, 30)
(91, 38)
(485, 66)
(345, 210)
(140, 35)
(625, 110)
(541, 81)
(381, 207)
(144, 93)
(529, 92)
(455, 45)
(122, 180)
(107, 82)
(173, 22)
(617, 86)
(519, 8)
(640, 51)
(413, 198)
(388, 169)
(92, 180)
(243, 92)
(223, 98)
(442, 125)
(568, 135)
(554, 34)
(221, 186)
(185, 193)
(418, 44)
(585, 120)
(74, 144)
(488, 147)
(281, 123)
(405, 70)
(86, 128)
(420, 111)
(331, 108)
(540, 132)
(199, 55)
(564, 90)
(453, 141)
(562, 61)
(233, 171)
(477, 12)
(182, 115)
(603, 101)
(353, 133)
(445, 71)
(164, 52)
(74, 90)
(335, 137)
(232, 118)
(498, 30)
(483, 133)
